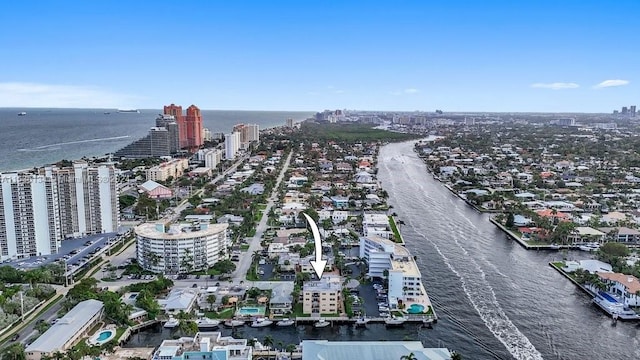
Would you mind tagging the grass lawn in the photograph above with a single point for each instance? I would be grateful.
(394, 229)
(244, 247)
(533, 242)
(558, 264)
(297, 311)
(224, 314)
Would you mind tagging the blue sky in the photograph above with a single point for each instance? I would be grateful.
(314, 55)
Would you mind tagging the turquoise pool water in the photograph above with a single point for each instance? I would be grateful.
(415, 309)
(104, 335)
(249, 311)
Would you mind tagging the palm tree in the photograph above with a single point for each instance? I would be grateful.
(33, 276)
(411, 356)
(290, 349)
(456, 355)
(211, 299)
(46, 276)
(268, 341)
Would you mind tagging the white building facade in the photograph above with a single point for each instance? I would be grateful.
(405, 279)
(182, 248)
(212, 158)
(231, 145)
(41, 207)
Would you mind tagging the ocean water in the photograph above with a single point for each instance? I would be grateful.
(45, 136)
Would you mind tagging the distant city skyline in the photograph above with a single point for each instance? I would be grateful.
(494, 56)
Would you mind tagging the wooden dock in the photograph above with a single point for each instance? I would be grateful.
(344, 320)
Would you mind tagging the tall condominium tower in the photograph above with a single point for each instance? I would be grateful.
(39, 208)
(190, 128)
(194, 128)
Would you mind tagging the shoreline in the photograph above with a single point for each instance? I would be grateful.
(518, 239)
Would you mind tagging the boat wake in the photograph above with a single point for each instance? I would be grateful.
(461, 262)
(58, 146)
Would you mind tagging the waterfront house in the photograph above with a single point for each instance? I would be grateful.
(67, 331)
(622, 234)
(179, 300)
(204, 346)
(585, 234)
(281, 301)
(349, 350)
(590, 265)
(625, 287)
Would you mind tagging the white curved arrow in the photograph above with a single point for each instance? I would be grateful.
(319, 264)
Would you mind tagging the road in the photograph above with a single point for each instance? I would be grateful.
(254, 244)
(116, 260)
(183, 205)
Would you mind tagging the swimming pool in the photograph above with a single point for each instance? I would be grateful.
(415, 309)
(102, 337)
(251, 310)
(608, 297)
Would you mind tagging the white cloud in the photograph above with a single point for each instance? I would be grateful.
(611, 83)
(555, 85)
(339, 91)
(411, 91)
(20, 94)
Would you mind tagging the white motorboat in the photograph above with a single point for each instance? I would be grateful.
(589, 247)
(395, 321)
(206, 323)
(234, 323)
(321, 323)
(261, 322)
(285, 322)
(362, 321)
(171, 323)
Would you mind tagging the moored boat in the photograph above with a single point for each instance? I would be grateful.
(171, 323)
(234, 323)
(206, 323)
(362, 321)
(261, 322)
(395, 321)
(285, 322)
(22, 113)
(321, 323)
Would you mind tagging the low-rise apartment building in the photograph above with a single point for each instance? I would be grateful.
(384, 257)
(174, 168)
(323, 296)
(67, 331)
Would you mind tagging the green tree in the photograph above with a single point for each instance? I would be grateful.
(188, 328)
(211, 300)
(225, 266)
(615, 249)
(14, 351)
(510, 220)
(410, 356)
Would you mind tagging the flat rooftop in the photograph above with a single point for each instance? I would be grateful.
(178, 231)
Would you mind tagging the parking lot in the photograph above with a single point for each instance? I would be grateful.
(82, 246)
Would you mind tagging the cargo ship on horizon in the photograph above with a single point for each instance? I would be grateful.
(128, 111)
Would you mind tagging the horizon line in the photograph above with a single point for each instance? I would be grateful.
(316, 111)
